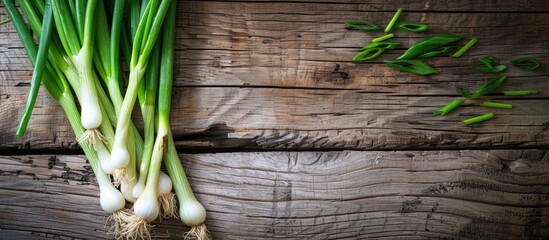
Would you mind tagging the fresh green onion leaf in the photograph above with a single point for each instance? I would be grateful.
(491, 65)
(383, 38)
(429, 44)
(7, 20)
(368, 54)
(520, 92)
(465, 48)
(358, 25)
(484, 89)
(496, 105)
(412, 27)
(525, 63)
(384, 45)
(393, 20)
(480, 118)
(448, 108)
(413, 66)
(41, 59)
(437, 52)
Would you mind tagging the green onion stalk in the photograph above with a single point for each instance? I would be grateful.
(56, 84)
(64, 67)
(191, 211)
(77, 40)
(146, 35)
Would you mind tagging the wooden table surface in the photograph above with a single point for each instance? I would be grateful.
(284, 137)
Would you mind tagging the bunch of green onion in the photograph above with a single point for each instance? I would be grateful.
(75, 48)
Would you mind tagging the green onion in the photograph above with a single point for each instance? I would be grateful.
(384, 45)
(366, 54)
(484, 89)
(393, 20)
(448, 108)
(144, 40)
(491, 65)
(41, 59)
(496, 105)
(7, 20)
(411, 27)
(525, 63)
(110, 198)
(480, 118)
(428, 45)
(383, 38)
(357, 25)
(413, 66)
(436, 52)
(465, 48)
(520, 92)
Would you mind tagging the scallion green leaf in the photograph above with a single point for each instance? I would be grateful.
(358, 25)
(465, 48)
(383, 38)
(448, 108)
(478, 119)
(393, 20)
(526, 63)
(496, 105)
(520, 92)
(384, 45)
(368, 54)
(413, 66)
(429, 44)
(40, 66)
(484, 89)
(436, 52)
(412, 27)
(491, 65)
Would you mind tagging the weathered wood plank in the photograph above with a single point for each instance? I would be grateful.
(310, 119)
(428, 6)
(278, 75)
(497, 194)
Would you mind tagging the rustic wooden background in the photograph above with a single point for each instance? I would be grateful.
(289, 139)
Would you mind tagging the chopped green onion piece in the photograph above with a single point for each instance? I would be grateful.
(437, 52)
(491, 65)
(393, 20)
(497, 105)
(366, 54)
(485, 89)
(480, 118)
(357, 25)
(412, 27)
(383, 38)
(520, 92)
(465, 48)
(429, 44)
(413, 66)
(5, 21)
(384, 45)
(448, 108)
(526, 63)
(41, 59)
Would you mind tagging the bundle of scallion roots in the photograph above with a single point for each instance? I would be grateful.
(95, 58)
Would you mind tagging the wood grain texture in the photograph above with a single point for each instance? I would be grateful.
(277, 75)
(496, 194)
